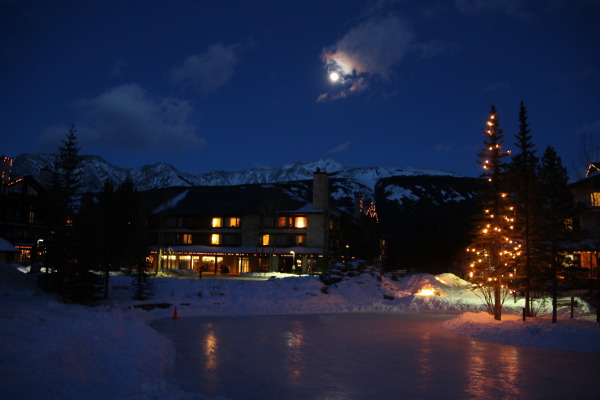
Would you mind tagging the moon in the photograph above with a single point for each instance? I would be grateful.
(334, 76)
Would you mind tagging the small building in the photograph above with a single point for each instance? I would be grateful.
(246, 228)
(21, 211)
(586, 194)
(7, 252)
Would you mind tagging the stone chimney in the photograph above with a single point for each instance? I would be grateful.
(320, 190)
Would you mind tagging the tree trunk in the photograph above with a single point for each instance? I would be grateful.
(497, 302)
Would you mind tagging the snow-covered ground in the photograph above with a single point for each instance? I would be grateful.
(52, 350)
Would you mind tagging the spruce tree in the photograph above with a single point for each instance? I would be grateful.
(557, 205)
(522, 178)
(71, 276)
(493, 249)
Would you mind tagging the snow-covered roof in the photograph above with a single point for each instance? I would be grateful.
(6, 247)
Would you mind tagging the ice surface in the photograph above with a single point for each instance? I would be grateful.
(364, 356)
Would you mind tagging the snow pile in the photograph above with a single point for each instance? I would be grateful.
(566, 334)
(53, 350)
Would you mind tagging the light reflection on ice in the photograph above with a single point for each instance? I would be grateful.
(364, 356)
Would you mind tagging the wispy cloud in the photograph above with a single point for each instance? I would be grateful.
(371, 49)
(117, 69)
(128, 117)
(340, 148)
(209, 70)
(513, 8)
(434, 48)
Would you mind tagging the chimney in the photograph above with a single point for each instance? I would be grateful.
(320, 190)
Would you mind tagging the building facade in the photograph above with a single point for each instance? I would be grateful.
(21, 212)
(247, 228)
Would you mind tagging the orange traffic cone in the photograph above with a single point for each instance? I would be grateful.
(175, 313)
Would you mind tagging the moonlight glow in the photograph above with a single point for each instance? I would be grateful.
(334, 76)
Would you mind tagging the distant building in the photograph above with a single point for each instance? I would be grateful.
(586, 193)
(21, 211)
(247, 228)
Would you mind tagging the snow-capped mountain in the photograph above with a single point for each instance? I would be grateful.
(96, 171)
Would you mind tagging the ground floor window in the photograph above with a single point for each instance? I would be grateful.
(243, 265)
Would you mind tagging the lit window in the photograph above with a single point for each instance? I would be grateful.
(187, 238)
(234, 222)
(300, 240)
(300, 222)
(215, 239)
(217, 222)
(31, 218)
(265, 240)
(68, 222)
(282, 222)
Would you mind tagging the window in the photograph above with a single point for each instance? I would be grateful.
(595, 199)
(31, 218)
(187, 238)
(217, 222)
(234, 222)
(292, 222)
(215, 239)
(300, 240)
(300, 222)
(282, 222)
(265, 240)
(231, 239)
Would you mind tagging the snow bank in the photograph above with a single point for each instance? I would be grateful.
(566, 334)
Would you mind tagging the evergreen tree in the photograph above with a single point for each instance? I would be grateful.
(70, 277)
(557, 205)
(522, 178)
(493, 249)
(108, 239)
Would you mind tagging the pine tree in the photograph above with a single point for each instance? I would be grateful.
(107, 240)
(493, 249)
(71, 276)
(557, 205)
(522, 179)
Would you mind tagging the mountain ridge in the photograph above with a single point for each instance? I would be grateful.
(96, 170)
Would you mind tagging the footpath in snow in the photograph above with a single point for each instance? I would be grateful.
(53, 350)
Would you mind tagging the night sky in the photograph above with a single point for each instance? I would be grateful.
(232, 85)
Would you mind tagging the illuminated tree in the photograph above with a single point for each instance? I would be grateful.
(493, 249)
(523, 183)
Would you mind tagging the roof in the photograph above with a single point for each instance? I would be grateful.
(6, 247)
(589, 183)
(228, 200)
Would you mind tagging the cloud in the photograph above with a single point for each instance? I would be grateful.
(128, 117)
(434, 48)
(371, 49)
(481, 7)
(117, 70)
(340, 148)
(207, 71)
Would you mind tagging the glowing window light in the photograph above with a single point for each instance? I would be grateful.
(215, 239)
(217, 222)
(300, 222)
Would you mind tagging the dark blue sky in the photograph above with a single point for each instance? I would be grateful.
(231, 85)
